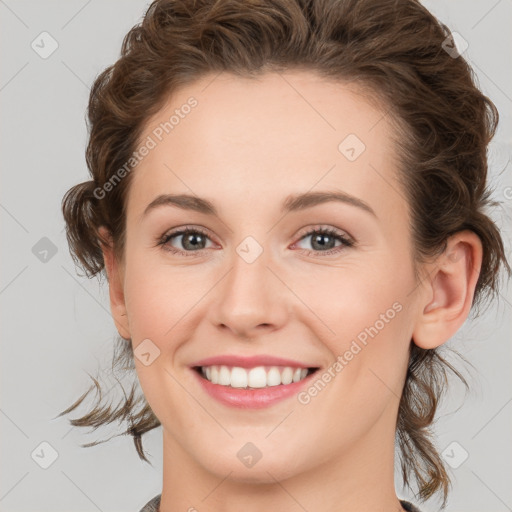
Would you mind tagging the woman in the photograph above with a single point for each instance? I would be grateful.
(287, 198)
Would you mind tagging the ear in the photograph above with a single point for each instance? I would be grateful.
(447, 293)
(115, 276)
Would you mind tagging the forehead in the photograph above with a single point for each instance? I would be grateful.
(280, 133)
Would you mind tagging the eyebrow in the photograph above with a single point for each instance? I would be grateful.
(294, 202)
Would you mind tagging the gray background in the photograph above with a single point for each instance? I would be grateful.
(56, 326)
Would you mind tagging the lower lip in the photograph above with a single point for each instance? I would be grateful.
(251, 398)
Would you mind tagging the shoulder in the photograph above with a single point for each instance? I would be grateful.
(407, 506)
(152, 505)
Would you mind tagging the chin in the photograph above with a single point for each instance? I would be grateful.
(240, 468)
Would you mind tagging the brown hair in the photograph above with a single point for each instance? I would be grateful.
(395, 51)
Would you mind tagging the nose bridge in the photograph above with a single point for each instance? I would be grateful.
(250, 295)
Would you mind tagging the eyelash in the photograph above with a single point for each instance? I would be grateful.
(346, 242)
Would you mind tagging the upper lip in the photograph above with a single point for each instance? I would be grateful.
(251, 361)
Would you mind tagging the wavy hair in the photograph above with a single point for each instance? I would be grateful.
(395, 51)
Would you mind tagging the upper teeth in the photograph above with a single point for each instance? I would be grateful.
(257, 377)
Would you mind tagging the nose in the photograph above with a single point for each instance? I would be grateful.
(251, 298)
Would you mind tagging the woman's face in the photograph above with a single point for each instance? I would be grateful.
(262, 278)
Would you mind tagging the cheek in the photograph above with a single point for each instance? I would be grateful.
(366, 319)
(157, 296)
(356, 297)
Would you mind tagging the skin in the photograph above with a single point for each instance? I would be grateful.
(246, 146)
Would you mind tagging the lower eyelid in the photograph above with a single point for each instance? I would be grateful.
(342, 246)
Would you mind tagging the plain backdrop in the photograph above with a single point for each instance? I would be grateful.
(56, 326)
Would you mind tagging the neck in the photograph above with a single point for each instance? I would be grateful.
(359, 478)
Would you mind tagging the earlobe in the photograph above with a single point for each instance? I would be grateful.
(115, 282)
(448, 291)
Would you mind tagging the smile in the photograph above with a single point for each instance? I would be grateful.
(253, 378)
(251, 388)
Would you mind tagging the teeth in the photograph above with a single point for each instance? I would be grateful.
(224, 376)
(287, 375)
(258, 377)
(239, 377)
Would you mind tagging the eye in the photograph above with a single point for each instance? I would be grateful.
(192, 240)
(323, 241)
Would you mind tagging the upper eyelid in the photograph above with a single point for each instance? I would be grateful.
(319, 227)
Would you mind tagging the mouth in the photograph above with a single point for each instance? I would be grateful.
(258, 377)
(252, 382)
